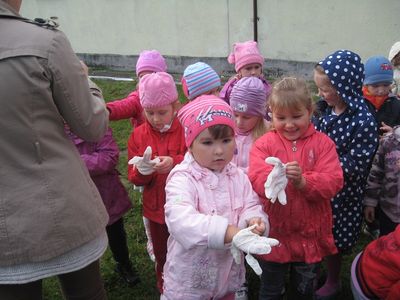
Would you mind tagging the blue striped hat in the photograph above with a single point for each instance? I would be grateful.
(198, 79)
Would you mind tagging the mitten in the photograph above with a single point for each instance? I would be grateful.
(144, 165)
(276, 181)
(247, 241)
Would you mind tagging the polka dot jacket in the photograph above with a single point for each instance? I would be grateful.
(356, 137)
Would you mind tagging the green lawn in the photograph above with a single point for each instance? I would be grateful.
(117, 290)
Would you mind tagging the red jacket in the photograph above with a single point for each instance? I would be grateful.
(304, 225)
(126, 108)
(170, 143)
(378, 269)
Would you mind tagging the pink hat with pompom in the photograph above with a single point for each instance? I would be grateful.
(150, 60)
(244, 54)
(157, 89)
(203, 112)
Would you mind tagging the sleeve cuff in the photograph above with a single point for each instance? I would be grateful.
(216, 232)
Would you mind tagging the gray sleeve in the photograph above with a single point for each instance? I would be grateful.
(79, 100)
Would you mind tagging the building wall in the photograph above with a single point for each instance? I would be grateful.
(292, 35)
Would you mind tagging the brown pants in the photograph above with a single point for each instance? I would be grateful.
(84, 284)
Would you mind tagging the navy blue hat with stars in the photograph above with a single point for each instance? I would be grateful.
(346, 73)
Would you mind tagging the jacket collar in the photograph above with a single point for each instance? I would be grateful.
(7, 11)
(210, 177)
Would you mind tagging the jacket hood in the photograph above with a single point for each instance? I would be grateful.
(346, 73)
(189, 165)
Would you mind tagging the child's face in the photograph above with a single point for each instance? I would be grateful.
(326, 89)
(245, 122)
(160, 116)
(250, 70)
(144, 73)
(379, 89)
(210, 153)
(291, 124)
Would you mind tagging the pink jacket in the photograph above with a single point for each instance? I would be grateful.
(243, 146)
(200, 204)
(304, 225)
(126, 108)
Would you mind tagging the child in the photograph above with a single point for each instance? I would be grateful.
(249, 105)
(394, 57)
(345, 117)
(101, 159)
(163, 133)
(383, 185)
(303, 226)
(375, 272)
(149, 61)
(248, 62)
(384, 106)
(377, 91)
(200, 79)
(208, 201)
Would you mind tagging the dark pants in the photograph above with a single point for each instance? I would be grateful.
(159, 235)
(117, 241)
(84, 284)
(386, 225)
(302, 278)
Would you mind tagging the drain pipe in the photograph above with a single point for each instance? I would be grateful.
(255, 20)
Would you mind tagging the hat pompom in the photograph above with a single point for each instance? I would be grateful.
(231, 58)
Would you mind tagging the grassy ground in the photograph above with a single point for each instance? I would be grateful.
(116, 289)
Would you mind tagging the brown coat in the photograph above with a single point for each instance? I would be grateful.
(48, 203)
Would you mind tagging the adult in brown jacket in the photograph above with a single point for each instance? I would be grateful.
(52, 220)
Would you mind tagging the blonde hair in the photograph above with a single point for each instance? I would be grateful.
(290, 93)
(259, 129)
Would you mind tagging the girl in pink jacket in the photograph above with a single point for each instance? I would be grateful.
(249, 105)
(313, 175)
(208, 201)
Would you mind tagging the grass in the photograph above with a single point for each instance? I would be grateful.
(118, 290)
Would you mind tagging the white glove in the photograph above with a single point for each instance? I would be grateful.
(251, 243)
(138, 188)
(276, 181)
(145, 165)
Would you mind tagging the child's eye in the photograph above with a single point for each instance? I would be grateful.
(227, 140)
(207, 143)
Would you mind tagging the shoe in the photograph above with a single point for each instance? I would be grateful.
(150, 251)
(241, 293)
(128, 273)
(331, 296)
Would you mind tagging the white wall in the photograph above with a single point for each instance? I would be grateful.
(288, 30)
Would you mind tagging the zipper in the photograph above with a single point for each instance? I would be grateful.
(294, 146)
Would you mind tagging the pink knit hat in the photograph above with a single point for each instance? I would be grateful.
(244, 54)
(150, 60)
(157, 89)
(249, 96)
(203, 112)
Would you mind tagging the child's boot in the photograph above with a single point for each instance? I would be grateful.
(128, 273)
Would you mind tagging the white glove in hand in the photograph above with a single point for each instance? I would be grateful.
(276, 181)
(145, 165)
(251, 243)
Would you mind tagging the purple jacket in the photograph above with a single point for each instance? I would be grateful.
(101, 159)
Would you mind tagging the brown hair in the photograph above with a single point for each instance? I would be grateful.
(290, 93)
(220, 131)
